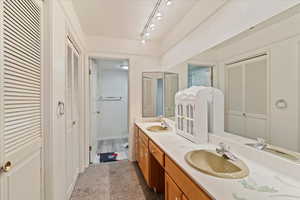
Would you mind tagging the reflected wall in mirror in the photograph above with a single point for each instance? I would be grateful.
(159, 89)
(258, 72)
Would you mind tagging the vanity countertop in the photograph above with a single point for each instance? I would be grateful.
(262, 184)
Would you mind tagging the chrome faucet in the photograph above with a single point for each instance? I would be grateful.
(163, 123)
(260, 145)
(223, 150)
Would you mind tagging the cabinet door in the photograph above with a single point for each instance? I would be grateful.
(144, 160)
(136, 143)
(172, 192)
(184, 197)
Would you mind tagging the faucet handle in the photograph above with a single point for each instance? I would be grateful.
(261, 140)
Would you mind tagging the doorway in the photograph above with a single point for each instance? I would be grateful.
(109, 109)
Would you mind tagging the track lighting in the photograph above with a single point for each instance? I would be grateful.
(155, 15)
(169, 2)
(152, 27)
(159, 16)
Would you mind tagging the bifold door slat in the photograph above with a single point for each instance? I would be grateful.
(18, 53)
(22, 73)
(24, 14)
(34, 11)
(18, 62)
(8, 81)
(20, 125)
(18, 44)
(13, 17)
(30, 119)
(20, 142)
(8, 107)
(21, 132)
(18, 29)
(21, 117)
(22, 38)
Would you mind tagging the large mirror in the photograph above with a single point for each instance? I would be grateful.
(258, 72)
(159, 89)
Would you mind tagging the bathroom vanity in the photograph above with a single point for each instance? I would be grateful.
(161, 156)
(162, 173)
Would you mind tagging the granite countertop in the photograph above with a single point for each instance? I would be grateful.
(262, 183)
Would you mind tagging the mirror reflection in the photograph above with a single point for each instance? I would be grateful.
(258, 72)
(159, 89)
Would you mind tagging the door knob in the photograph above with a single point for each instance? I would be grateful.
(74, 123)
(6, 167)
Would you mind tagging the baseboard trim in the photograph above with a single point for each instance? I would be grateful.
(72, 186)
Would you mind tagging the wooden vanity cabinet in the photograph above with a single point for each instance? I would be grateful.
(162, 174)
(172, 191)
(136, 142)
(184, 197)
(190, 189)
(143, 160)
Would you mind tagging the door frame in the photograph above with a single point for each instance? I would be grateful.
(88, 103)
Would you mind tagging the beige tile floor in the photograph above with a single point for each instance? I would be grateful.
(120, 180)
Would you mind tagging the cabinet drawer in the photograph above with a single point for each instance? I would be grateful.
(143, 137)
(191, 190)
(157, 153)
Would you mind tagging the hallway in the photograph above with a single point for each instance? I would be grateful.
(103, 182)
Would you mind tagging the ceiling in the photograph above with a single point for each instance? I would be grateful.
(127, 18)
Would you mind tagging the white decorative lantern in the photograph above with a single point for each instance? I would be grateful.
(199, 110)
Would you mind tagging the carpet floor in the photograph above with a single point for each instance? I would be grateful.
(119, 180)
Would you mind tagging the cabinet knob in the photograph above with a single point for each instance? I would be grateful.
(6, 167)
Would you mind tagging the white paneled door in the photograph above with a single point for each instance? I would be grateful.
(72, 117)
(247, 98)
(20, 100)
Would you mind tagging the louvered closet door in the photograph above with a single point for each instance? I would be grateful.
(20, 100)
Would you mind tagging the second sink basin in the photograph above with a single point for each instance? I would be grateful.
(209, 162)
(157, 128)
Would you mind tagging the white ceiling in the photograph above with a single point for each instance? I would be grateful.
(127, 18)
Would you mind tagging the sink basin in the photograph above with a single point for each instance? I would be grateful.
(157, 128)
(211, 163)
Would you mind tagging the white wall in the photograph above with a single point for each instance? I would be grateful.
(232, 19)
